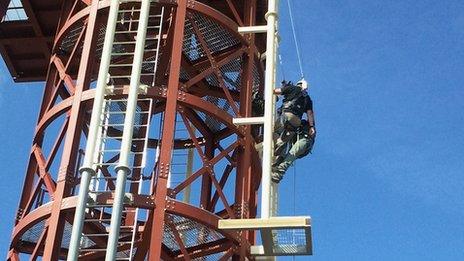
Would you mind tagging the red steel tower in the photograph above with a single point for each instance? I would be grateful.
(135, 155)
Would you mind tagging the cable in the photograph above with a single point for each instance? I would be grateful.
(297, 46)
(282, 69)
(294, 192)
(294, 188)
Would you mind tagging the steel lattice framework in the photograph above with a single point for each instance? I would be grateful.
(206, 75)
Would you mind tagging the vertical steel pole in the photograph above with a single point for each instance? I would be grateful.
(87, 169)
(168, 132)
(271, 53)
(123, 167)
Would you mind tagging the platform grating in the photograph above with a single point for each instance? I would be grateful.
(289, 241)
(217, 37)
(191, 232)
(213, 257)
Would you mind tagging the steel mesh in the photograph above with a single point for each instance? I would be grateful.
(33, 234)
(217, 37)
(191, 232)
(191, 46)
(256, 78)
(289, 241)
(184, 76)
(70, 39)
(212, 257)
(212, 123)
(231, 73)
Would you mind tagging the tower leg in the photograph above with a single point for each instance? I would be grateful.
(168, 132)
(67, 167)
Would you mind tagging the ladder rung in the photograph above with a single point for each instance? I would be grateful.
(137, 20)
(105, 178)
(125, 42)
(100, 191)
(122, 124)
(90, 205)
(126, 226)
(124, 242)
(118, 150)
(96, 235)
(115, 112)
(92, 250)
(120, 76)
(115, 100)
(121, 65)
(126, 32)
(97, 220)
(128, 10)
(122, 54)
(112, 137)
(107, 164)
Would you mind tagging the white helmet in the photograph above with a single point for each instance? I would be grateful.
(303, 83)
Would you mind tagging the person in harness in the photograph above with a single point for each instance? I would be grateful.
(296, 102)
(302, 145)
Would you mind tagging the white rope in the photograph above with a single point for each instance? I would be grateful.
(297, 46)
(282, 69)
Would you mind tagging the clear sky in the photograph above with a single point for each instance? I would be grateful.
(386, 176)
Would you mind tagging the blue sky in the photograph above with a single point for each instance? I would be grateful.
(385, 179)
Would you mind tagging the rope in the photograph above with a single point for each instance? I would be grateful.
(297, 46)
(294, 188)
(294, 192)
(282, 69)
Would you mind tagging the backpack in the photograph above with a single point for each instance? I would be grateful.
(297, 104)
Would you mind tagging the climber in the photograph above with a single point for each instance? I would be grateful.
(302, 145)
(296, 102)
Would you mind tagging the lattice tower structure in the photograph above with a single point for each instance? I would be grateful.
(205, 77)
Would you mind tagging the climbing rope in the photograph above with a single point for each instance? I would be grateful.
(282, 69)
(294, 192)
(294, 188)
(295, 39)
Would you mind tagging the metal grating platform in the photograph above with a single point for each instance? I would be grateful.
(281, 236)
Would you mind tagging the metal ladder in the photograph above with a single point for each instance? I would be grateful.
(103, 183)
(111, 147)
(123, 49)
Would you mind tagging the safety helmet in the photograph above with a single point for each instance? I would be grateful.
(303, 84)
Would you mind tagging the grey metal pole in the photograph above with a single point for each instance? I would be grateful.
(123, 169)
(87, 169)
(271, 51)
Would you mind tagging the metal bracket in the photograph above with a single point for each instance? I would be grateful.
(248, 121)
(253, 29)
(298, 227)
